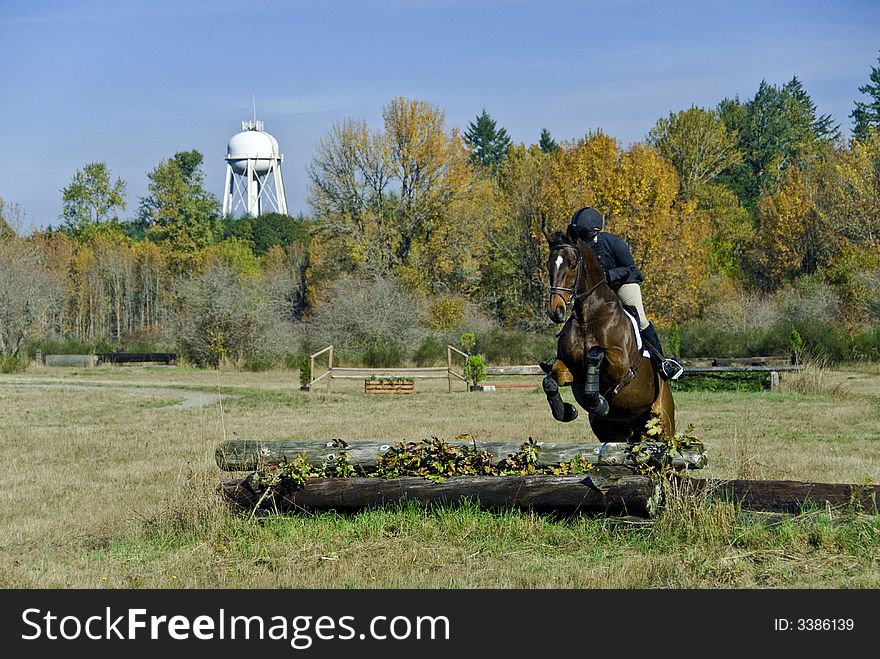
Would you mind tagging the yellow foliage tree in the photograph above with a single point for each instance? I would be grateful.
(785, 219)
(636, 190)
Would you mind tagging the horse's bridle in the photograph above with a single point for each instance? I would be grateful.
(572, 292)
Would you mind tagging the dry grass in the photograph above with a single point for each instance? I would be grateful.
(110, 482)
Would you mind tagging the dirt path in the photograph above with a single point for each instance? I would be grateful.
(191, 399)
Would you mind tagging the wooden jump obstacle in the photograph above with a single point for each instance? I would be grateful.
(167, 358)
(708, 365)
(447, 372)
(612, 489)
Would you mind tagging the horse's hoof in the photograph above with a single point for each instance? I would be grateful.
(570, 413)
(601, 408)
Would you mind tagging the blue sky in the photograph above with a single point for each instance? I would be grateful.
(132, 83)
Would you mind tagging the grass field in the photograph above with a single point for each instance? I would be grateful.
(109, 481)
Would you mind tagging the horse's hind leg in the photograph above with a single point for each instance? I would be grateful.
(561, 410)
(664, 407)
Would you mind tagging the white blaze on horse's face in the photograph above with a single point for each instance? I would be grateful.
(559, 260)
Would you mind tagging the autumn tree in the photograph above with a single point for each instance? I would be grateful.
(488, 143)
(848, 203)
(420, 151)
(90, 200)
(867, 113)
(637, 191)
(697, 143)
(351, 178)
(786, 220)
(404, 201)
(729, 225)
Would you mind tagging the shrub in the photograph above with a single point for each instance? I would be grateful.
(510, 346)
(475, 369)
(224, 318)
(374, 321)
(305, 371)
(430, 351)
(13, 363)
(381, 354)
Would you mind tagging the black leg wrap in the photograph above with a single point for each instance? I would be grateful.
(596, 402)
(557, 405)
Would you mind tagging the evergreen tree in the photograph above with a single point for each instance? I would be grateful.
(777, 128)
(547, 143)
(803, 115)
(867, 114)
(178, 209)
(488, 143)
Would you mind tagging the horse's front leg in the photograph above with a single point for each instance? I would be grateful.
(596, 403)
(559, 375)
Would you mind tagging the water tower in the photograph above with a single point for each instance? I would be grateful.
(253, 172)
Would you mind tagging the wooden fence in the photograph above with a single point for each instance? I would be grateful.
(333, 372)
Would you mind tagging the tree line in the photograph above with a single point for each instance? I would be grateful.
(750, 196)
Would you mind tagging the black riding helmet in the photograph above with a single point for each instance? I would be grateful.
(587, 222)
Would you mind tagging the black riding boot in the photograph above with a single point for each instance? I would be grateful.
(669, 369)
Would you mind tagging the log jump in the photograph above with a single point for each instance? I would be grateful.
(614, 487)
(248, 455)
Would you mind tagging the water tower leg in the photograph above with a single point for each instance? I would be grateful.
(279, 190)
(252, 191)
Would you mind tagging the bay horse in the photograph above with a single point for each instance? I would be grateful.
(599, 350)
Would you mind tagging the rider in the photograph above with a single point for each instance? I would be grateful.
(624, 278)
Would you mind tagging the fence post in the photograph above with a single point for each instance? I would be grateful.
(329, 368)
(449, 367)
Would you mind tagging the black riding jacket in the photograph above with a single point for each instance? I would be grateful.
(616, 259)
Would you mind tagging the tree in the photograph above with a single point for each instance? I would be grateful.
(637, 191)
(178, 209)
(90, 199)
(513, 279)
(404, 201)
(548, 144)
(267, 230)
(487, 142)
(697, 143)
(7, 232)
(867, 114)
(787, 220)
(28, 296)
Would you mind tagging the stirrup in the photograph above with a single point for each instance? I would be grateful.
(671, 369)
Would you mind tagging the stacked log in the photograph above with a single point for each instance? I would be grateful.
(248, 454)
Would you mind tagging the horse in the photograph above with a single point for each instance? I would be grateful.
(599, 350)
